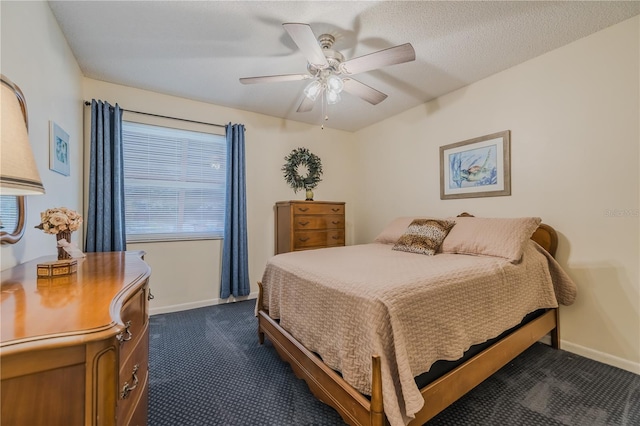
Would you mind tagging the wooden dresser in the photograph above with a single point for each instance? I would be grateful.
(304, 225)
(75, 348)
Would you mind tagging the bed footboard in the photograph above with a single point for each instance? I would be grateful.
(324, 383)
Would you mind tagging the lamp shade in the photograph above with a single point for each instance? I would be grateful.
(335, 83)
(18, 172)
(333, 97)
(313, 89)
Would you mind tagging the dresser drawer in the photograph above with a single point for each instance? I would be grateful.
(309, 239)
(317, 208)
(139, 415)
(318, 222)
(134, 318)
(132, 379)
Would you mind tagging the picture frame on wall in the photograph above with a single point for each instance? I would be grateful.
(478, 167)
(58, 150)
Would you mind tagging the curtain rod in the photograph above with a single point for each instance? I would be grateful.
(87, 103)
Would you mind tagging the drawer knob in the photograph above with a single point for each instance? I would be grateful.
(303, 239)
(303, 209)
(335, 237)
(127, 388)
(335, 209)
(303, 223)
(125, 335)
(335, 222)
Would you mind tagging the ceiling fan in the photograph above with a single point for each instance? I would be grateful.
(330, 72)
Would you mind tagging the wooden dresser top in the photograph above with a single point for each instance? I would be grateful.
(62, 308)
(279, 203)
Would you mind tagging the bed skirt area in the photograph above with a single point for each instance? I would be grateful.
(442, 367)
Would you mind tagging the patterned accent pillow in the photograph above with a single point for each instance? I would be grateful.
(424, 236)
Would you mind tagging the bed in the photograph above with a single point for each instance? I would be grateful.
(361, 324)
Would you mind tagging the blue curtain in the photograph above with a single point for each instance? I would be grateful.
(105, 218)
(235, 264)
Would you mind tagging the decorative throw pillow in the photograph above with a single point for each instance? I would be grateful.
(490, 236)
(424, 236)
(394, 230)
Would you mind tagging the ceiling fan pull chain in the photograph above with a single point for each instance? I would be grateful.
(324, 109)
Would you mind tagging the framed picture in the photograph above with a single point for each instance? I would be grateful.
(58, 149)
(479, 167)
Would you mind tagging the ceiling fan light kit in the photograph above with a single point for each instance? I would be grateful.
(313, 89)
(333, 97)
(331, 84)
(335, 83)
(330, 72)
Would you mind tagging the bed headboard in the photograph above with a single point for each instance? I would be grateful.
(545, 236)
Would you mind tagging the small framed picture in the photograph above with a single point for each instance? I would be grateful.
(479, 167)
(58, 149)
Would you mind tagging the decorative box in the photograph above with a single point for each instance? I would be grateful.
(57, 268)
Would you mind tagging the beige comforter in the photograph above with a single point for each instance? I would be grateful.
(347, 303)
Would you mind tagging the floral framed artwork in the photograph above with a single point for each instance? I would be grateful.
(478, 167)
(58, 149)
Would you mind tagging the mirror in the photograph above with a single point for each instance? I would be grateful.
(12, 212)
(19, 175)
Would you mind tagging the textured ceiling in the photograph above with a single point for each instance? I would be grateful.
(199, 49)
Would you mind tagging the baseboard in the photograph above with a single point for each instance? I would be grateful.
(595, 355)
(603, 357)
(198, 304)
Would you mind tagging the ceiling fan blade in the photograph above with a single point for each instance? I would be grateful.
(379, 59)
(369, 94)
(306, 41)
(274, 78)
(306, 105)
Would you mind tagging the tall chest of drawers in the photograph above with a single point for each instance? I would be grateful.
(75, 348)
(304, 225)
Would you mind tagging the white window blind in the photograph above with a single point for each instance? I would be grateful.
(174, 183)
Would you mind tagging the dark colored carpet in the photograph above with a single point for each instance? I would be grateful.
(207, 368)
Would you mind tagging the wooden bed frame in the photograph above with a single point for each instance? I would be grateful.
(330, 388)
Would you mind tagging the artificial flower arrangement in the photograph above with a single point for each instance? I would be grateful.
(59, 219)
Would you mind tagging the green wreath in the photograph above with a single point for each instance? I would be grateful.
(302, 157)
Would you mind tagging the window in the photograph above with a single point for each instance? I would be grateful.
(174, 183)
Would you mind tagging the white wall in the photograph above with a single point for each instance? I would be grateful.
(187, 274)
(36, 57)
(574, 120)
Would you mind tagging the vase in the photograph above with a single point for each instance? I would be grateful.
(309, 195)
(62, 254)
